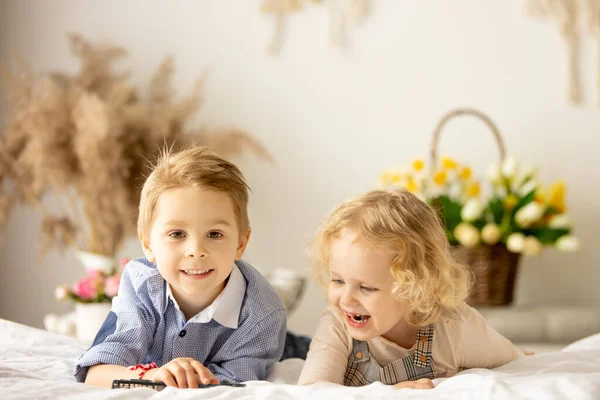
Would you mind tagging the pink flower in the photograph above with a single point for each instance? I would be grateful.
(111, 285)
(86, 287)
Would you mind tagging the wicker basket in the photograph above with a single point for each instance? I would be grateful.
(494, 268)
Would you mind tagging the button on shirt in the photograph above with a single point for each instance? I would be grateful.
(238, 337)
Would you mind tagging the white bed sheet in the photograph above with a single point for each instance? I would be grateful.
(38, 364)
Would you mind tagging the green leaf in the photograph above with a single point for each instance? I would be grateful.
(496, 207)
(546, 235)
(524, 201)
(450, 212)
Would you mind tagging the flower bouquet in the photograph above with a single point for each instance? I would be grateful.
(490, 223)
(96, 286)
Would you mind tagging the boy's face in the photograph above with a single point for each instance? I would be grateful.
(194, 240)
(360, 287)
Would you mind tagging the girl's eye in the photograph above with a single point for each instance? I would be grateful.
(337, 281)
(215, 235)
(177, 235)
(368, 289)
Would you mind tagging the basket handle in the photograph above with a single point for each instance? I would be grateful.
(466, 111)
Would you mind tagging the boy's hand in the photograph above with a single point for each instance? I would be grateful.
(423, 383)
(182, 373)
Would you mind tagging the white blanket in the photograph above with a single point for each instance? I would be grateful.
(39, 364)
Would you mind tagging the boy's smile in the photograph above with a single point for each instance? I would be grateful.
(196, 273)
(194, 241)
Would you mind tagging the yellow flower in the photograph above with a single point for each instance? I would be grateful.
(418, 165)
(557, 196)
(449, 163)
(395, 177)
(440, 178)
(510, 202)
(411, 185)
(389, 177)
(473, 190)
(465, 173)
(541, 195)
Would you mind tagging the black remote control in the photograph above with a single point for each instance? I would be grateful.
(135, 383)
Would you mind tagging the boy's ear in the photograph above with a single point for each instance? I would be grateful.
(146, 248)
(242, 244)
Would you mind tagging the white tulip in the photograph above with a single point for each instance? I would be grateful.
(529, 214)
(472, 210)
(490, 234)
(455, 191)
(494, 173)
(532, 246)
(528, 187)
(509, 167)
(568, 243)
(515, 242)
(467, 235)
(560, 221)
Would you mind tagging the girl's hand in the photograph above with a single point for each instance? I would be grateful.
(182, 373)
(423, 383)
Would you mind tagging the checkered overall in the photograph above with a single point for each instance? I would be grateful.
(363, 369)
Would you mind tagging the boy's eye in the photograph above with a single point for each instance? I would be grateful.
(368, 289)
(215, 235)
(177, 234)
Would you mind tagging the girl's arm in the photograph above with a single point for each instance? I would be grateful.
(481, 346)
(327, 358)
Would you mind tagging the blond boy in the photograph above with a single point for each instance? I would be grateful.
(191, 311)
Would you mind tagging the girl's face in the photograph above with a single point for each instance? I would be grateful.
(360, 287)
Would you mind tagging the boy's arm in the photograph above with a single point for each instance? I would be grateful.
(328, 355)
(480, 345)
(256, 351)
(103, 374)
(127, 345)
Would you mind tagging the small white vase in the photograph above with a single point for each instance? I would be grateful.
(89, 318)
(93, 261)
(289, 285)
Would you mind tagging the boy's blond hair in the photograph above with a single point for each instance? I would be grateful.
(428, 281)
(198, 167)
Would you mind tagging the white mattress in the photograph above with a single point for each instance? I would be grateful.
(38, 364)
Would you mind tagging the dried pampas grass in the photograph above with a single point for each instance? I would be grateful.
(88, 139)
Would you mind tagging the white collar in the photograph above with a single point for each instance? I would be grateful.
(225, 309)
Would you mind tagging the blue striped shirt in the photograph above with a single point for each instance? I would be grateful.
(149, 327)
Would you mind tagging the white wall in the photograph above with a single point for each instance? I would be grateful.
(333, 119)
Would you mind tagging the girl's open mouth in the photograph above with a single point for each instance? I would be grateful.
(357, 320)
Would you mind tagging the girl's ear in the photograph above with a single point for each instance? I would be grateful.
(242, 244)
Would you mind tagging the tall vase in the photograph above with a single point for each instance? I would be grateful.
(89, 318)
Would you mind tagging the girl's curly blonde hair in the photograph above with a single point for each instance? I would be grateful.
(428, 280)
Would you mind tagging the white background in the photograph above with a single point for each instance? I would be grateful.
(334, 118)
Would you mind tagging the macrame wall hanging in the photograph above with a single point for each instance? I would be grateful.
(343, 14)
(575, 18)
